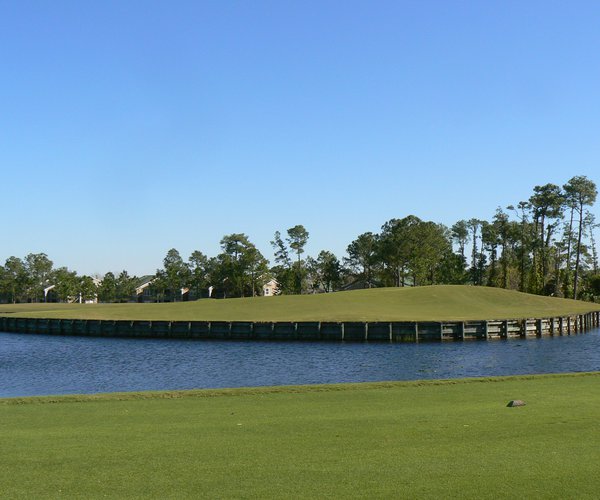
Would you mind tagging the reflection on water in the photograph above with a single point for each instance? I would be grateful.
(43, 364)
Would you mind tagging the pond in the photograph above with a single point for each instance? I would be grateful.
(44, 364)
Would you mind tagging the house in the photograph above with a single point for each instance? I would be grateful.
(50, 294)
(360, 284)
(97, 282)
(271, 288)
(143, 292)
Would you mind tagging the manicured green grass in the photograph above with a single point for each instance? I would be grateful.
(432, 303)
(452, 439)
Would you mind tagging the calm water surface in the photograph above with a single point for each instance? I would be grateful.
(44, 364)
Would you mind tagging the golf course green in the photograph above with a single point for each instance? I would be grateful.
(428, 303)
(435, 439)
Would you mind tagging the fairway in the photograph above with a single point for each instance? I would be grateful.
(429, 303)
(444, 439)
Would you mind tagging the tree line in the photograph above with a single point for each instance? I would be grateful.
(543, 245)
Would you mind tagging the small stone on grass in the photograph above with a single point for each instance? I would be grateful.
(516, 402)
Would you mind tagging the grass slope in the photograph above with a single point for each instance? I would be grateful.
(431, 303)
(453, 439)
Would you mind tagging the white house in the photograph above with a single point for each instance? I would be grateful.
(271, 288)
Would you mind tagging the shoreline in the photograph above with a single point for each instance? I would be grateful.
(283, 389)
(355, 331)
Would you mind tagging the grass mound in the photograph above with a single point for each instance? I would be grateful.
(429, 303)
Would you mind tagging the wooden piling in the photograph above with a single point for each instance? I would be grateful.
(413, 331)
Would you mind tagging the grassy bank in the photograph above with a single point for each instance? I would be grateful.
(434, 303)
(400, 440)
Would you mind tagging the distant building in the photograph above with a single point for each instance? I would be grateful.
(271, 288)
(97, 282)
(143, 292)
(360, 284)
(50, 294)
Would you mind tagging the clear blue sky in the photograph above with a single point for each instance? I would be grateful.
(128, 128)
